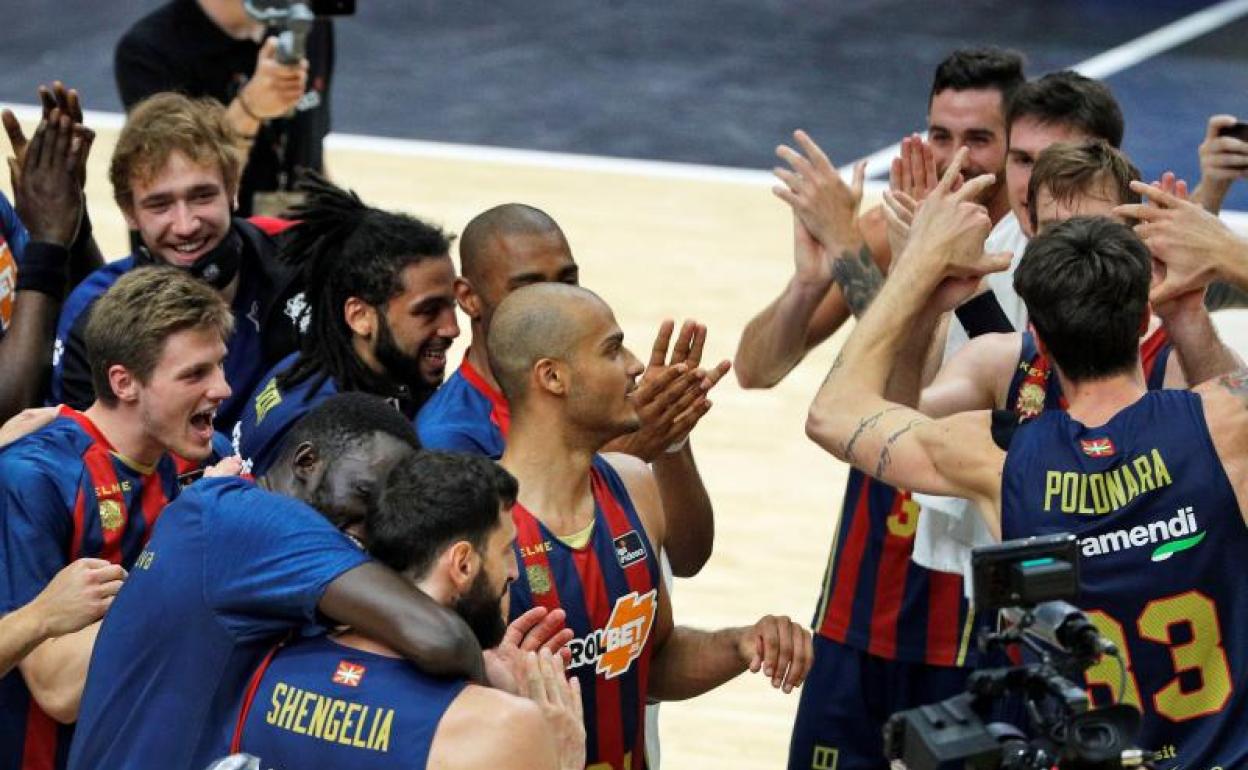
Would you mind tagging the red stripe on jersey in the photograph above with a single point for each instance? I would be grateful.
(533, 549)
(39, 748)
(500, 413)
(639, 581)
(103, 477)
(152, 502)
(80, 505)
(840, 608)
(272, 225)
(944, 637)
(890, 583)
(598, 602)
(1152, 346)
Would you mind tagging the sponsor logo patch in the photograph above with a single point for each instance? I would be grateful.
(613, 648)
(629, 549)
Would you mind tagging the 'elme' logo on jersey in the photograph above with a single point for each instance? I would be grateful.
(1175, 534)
(615, 647)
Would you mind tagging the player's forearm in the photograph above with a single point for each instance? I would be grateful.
(906, 380)
(56, 671)
(21, 631)
(1233, 264)
(25, 351)
(380, 605)
(860, 279)
(690, 534)
(1210, 193)
(1198, 346)
(775, 340)
(854, 388)
(693, 662)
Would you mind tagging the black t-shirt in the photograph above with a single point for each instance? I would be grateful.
(178, 48)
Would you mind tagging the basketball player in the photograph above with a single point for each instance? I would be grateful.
(443, 523)
(590, 527)
(381, 315)
(175, 173)
(514, 245)
(93, 483)
(1141, 477)
(238, 565)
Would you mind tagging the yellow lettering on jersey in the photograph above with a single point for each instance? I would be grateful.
(113, 490)
(267, 399)
(309, 713)
(534, 550)
(1096, 494)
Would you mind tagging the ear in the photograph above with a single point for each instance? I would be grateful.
(467, 298)
(551, 376)
(463, 563)
(306, 466)
(360, 316)
(124, 384)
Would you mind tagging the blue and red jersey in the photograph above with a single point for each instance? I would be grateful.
(610, 591)
(271, 412)
(466, 414)
(13, 240)
(64, 494)
(1034, 389)
(875, 598)
(1159, 531)
(316, 703)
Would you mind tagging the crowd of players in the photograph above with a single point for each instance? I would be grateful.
(259, 520)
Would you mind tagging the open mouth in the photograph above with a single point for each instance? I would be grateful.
(186, 251)
(201, 423)
(435, 355)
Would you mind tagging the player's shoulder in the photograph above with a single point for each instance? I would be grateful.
(637, 478)
(1225, 398)
(53, 452)
(494, 727)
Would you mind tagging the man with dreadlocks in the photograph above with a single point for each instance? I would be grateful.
(381, 315)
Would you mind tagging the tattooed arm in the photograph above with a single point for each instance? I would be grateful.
(1225, 402)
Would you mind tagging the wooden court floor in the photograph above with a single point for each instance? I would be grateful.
(657, 246)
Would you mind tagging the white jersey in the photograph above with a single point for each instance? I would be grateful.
(950, 526)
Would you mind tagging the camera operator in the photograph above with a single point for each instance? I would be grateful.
(214, 48)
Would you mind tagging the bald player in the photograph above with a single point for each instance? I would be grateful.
(514, 245)
(589, 527)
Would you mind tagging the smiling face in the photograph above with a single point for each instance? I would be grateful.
(177, 404)
(975, 119)
(418, 324)
(182, 212)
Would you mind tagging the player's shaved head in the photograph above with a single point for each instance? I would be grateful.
(544, 320)
(483, 240)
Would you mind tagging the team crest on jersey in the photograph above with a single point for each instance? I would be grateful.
(629, 549)
(1097, 447)
(348, 673)
(110, 515)
(1030, 399)
(614, 647)
(539, 578)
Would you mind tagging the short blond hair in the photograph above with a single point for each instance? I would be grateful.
(130, 323)
(163, 124)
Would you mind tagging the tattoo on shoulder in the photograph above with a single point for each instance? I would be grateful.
(1236, 383)
(886, 457)
(859, 277)
(864, 425)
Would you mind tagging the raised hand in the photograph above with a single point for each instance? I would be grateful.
(913, 172)
(537, 629)
(1191, 244)
(949, 228)
(899, 210)
(815, 190)
(48, 198)
(51, 98)
(547, 684)
(780, 648)
(26, 421)
(274, 88)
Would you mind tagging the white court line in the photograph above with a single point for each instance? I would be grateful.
(1117, 59)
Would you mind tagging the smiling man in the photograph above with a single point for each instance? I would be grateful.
(381, 295)
(93, 483)
(175, 175)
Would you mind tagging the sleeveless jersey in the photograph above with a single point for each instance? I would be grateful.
(1159, 529)
(270, 413)
(13, 239)
(466, 414)
(319, 704)
(65, 494)
(609, 589)
(875, 598)
(1034, 388)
